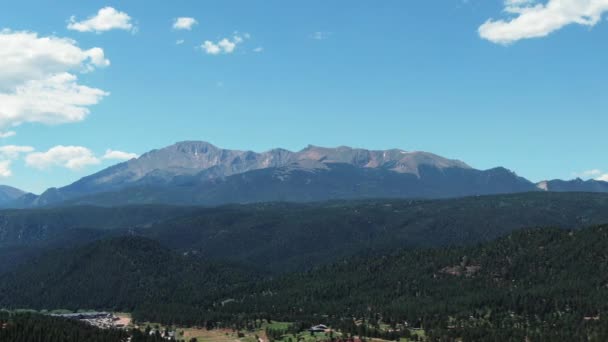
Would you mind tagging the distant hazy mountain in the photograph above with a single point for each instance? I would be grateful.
(195, 172)
(578, 185)
(9, 194)
(334, 181)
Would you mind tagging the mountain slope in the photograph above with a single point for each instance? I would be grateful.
(199, 173)
(532, 284)
(124, 273)
(9, 194)
(58, 226)
(578, 185)
(29, 232)
(545, 283)
(286, 237)
(210, 175)
(334, 181)
(27, 327)
(281, 237)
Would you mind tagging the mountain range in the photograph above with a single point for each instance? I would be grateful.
(196, 172)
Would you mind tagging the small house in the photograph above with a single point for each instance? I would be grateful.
(318, 328)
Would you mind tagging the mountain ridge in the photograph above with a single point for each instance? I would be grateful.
(284, 236)
(9, 193)
(200, 173)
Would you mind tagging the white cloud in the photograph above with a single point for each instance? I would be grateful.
(224, 46)
(589, 173)
(596, 174)
(258, 49)
(320, 35)
(26, 56)
(179, 42)
(184, 23)
(5, 168)
(37, 81)
(54, 100)
(518, 2)
(118, 155)
(211, 48)
(227, 46)
(8, 153)
(13, 151)
(533, 20)
(71, 157)
(7, 134)
(106, 19)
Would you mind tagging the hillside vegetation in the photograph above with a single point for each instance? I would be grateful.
(542, 282)
(121, 274)
(295, 237)
(284, 237)
(25, 327)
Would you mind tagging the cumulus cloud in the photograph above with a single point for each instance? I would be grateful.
(179, 42)
(13, 151)
(37, 80)
(518, 2)
(9, 153)
(184, 23)
(26, 56)
(589, 173)
(5, 168)
(53, 100)
(71, 157)
(118, 155)
(258, 49)
(596, 174)
(223, 46)
(106, 19)
(529, 19)
(7, 134)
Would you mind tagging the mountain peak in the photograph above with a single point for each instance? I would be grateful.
(193, 143)
(193, 162)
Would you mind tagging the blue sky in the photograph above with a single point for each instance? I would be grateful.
(474, 80)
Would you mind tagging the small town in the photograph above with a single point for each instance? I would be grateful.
(102, 320)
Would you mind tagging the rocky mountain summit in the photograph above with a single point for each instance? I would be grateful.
(197, 172)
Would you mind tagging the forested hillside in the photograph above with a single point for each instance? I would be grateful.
(28, 233)
(282, 237)
(35, 227)
(532, 283)
(286, 237)
(121, 274)
(32, 327)
(548, 282)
